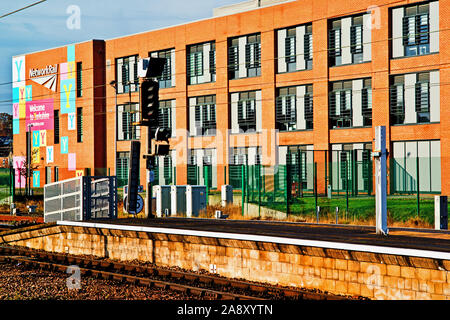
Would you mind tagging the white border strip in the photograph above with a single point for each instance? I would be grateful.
(271, 239)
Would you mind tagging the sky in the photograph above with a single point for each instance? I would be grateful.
(52, 24)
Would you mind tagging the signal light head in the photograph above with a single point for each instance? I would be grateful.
(163, 134)
(150, 102)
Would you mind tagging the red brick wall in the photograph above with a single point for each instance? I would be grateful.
(266, 21)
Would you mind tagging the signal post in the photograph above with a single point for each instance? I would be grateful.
(158, 137)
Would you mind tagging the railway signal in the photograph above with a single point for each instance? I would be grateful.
(158, 138)
(150, 103)
(160, 145)
(133, 176)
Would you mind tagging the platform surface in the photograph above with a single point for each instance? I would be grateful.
(408, 238)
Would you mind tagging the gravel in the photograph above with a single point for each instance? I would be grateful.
(18, 282)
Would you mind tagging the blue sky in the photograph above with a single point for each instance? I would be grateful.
(45, 25)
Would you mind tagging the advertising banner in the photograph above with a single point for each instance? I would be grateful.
(18, 164)
(40, 115)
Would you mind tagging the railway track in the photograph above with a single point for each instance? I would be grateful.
(201, 285)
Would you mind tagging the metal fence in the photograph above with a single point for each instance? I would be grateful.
(81, 198)
(337, 185)
(6, 186)
(64, 200)
(100, 197)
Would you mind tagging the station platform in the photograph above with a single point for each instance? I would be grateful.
(403, 241)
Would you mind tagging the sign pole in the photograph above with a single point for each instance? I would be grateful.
(380, 156)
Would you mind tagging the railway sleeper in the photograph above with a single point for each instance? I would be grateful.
(132, 279)
(196, 291)
(190, 277)
(222, 282)
(240, 285)
(178, 288)
(204, 279)
(177, 275)
(161, 285)
(163, 273)
(259, 289)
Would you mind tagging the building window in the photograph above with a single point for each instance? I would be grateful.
(48, 175)
(286, 109)
(298, 159)
(366, 102)
(122, 168)
(334, 43)
(203, 111)
(246, 112)
(290, 52)
(423, 97)
(309, 108)
(416, 30)
(79, 124)
(126, 115)
(416, 164)
(201, 63)
(253, 55)
(233, 59)
(168, 176)
(295, 48)
(165, 114)
(414, 98)
(294, 108)
(56, 126)
(349, 40)
(356, 39)
(397, 100)
(56, 174)
(126, 74)
(166, 80)
(79, 79)
(340, 102)
(351, 168)
(212, 61)
(240, 156)
(250, 46)
(350, 103)
(308, 46)
(195, 63)
(200, 160)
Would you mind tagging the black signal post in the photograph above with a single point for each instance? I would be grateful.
(149, 107)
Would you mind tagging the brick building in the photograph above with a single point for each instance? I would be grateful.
(257, 83)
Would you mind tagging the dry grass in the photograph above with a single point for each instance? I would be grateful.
(235, 213)
(22, 207)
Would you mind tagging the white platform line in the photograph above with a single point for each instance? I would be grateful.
(270, 239)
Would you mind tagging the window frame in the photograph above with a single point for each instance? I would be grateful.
(131, 132)
(249, 122)
(79, 124)
(418, 42)
(340, 98)
(165, 80)
(205, 105)
(126, 87)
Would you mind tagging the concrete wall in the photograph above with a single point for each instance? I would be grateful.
(372, 275)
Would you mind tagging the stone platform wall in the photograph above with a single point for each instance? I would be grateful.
(372, 275)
